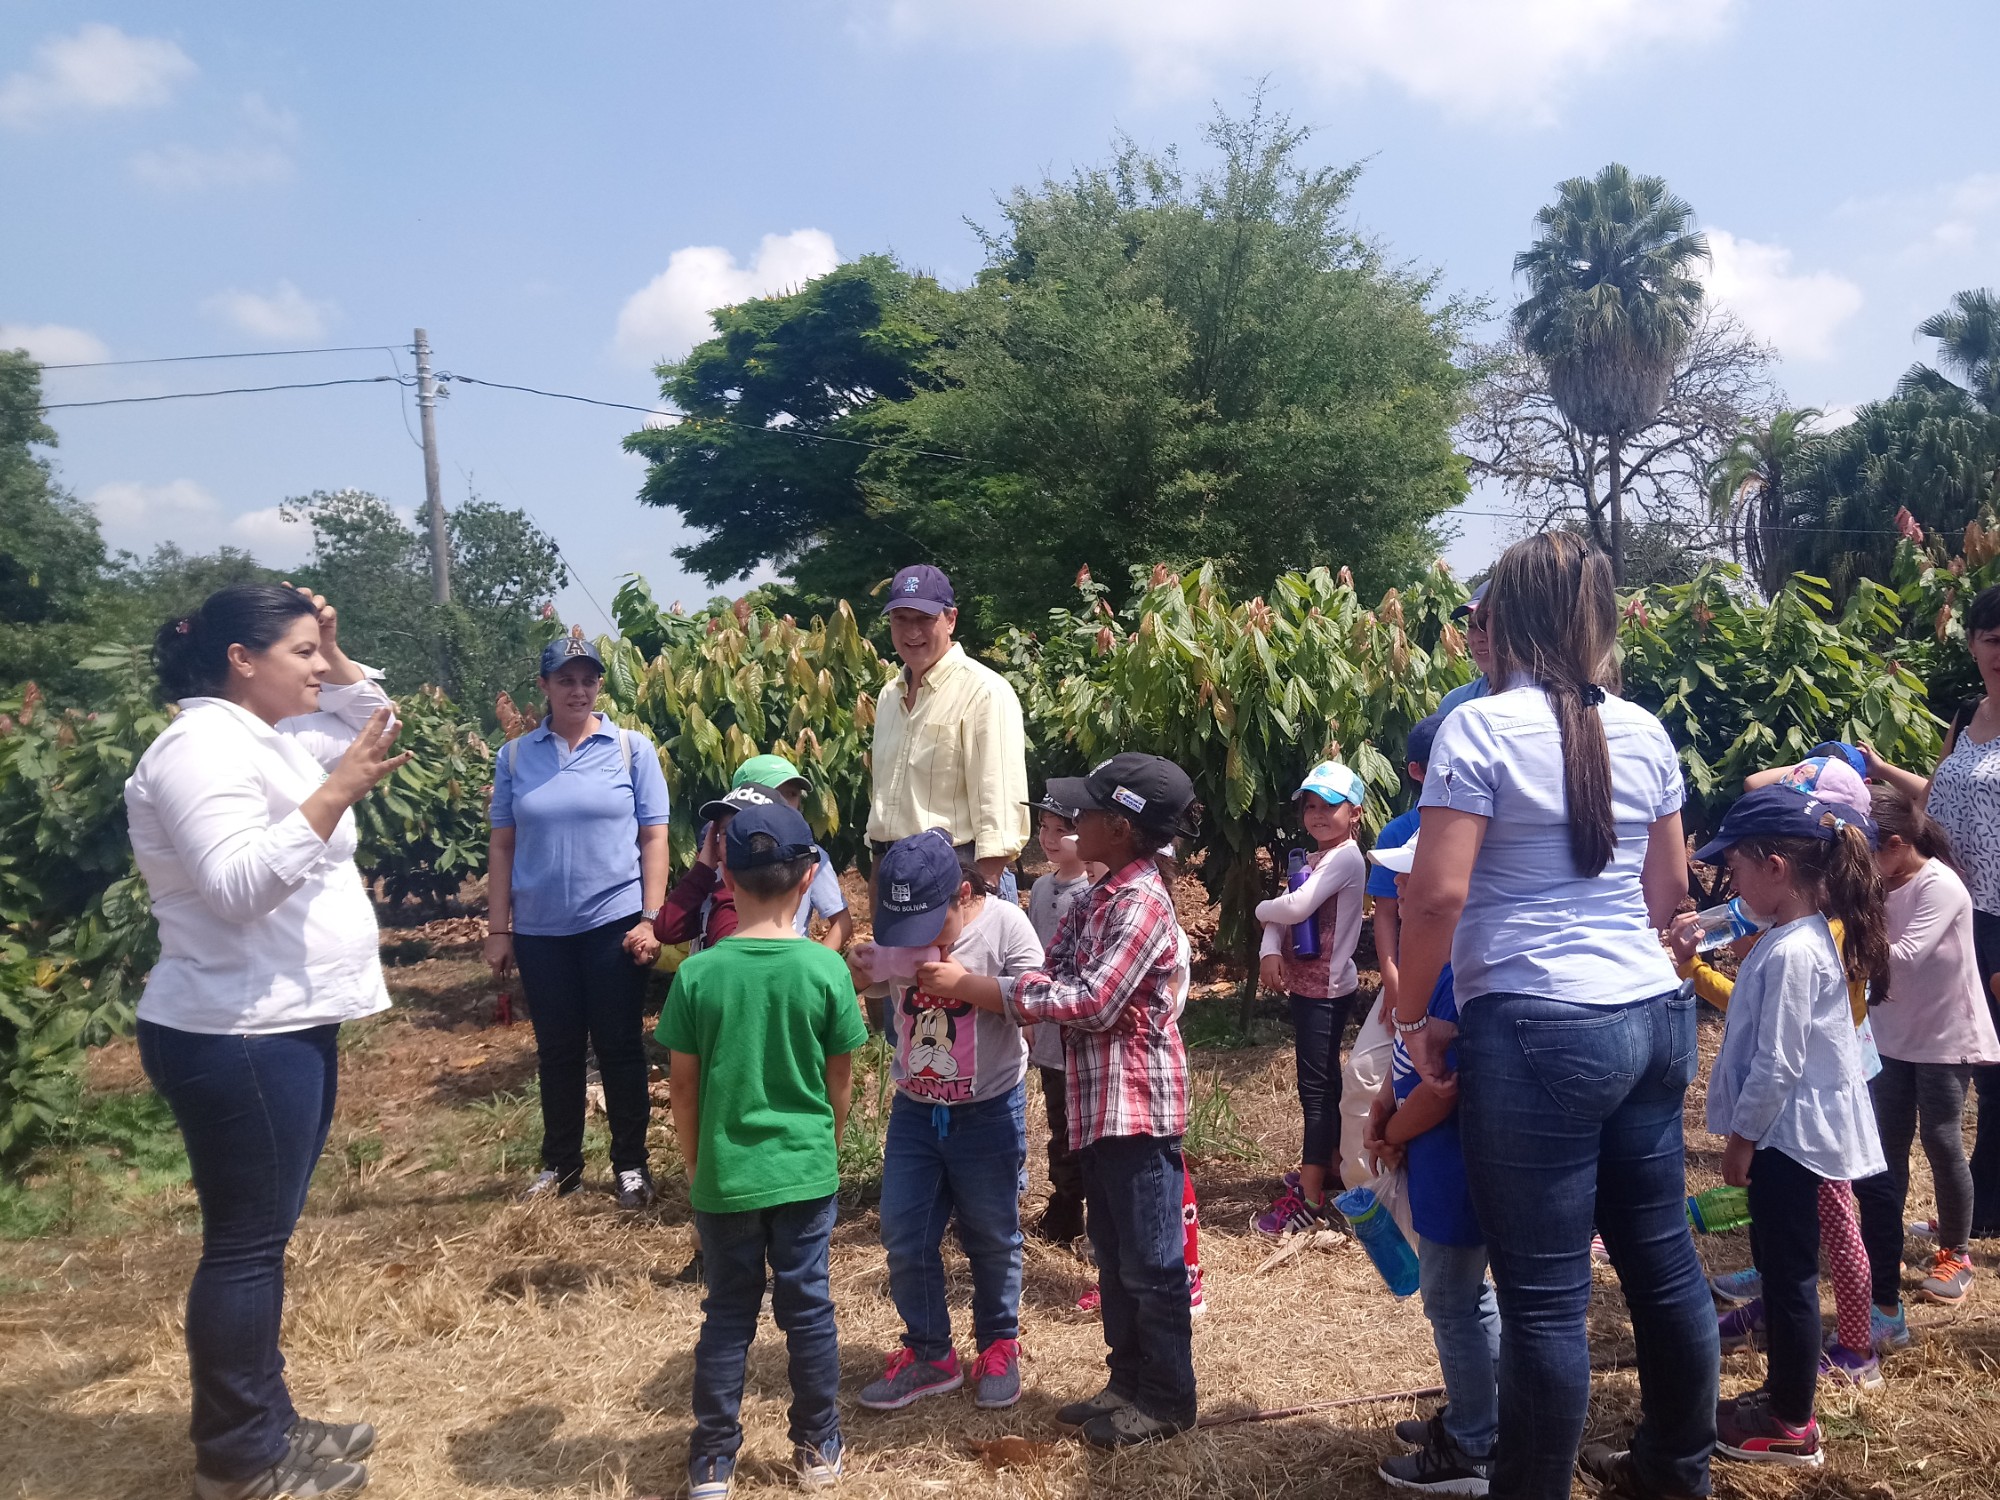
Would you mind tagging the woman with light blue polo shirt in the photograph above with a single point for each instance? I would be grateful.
(576, 875)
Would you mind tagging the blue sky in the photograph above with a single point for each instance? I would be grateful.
(556, 193)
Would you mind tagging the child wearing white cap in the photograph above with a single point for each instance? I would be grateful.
(1320, 982)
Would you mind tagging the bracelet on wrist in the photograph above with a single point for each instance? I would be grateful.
(1408, 1027)
(499, 932)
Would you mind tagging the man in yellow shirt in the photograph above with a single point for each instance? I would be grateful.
(950, 751)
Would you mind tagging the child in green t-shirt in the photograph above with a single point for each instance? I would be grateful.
(761, 1028)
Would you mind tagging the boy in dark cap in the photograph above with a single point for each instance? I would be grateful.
(761, 1029)
(1110, 980)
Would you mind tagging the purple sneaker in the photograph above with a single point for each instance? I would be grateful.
(1289, 1213)
(1863, 1370)
(1742, 1327)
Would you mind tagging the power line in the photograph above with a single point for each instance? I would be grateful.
(178, 359)
(240, 390)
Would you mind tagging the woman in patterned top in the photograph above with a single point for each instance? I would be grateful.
(1963, 795)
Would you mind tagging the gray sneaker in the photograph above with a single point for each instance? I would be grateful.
(907, 1379)
(996, 1374)
(1439, 1470)
(549, 1183)
(634, 1189)
(1083, 1413)
(345, 1441)
(1950, 1279)
(1128, 1426)
(294, 1476)
(819, 1468)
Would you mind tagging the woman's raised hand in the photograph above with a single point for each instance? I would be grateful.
(368, 760)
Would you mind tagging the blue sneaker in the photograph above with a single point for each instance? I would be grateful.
(1742, 1328)
(711, 1478)
(819, 1468)
(1887, 1333)
(1734, 1288)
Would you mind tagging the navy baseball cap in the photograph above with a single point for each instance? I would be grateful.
(1478, 598)
(1856, 761)
(568, 648)
(791, 837)
(1149, 789)
(1422, 736)
(921, 587)
(915, 885)
(1779, 812)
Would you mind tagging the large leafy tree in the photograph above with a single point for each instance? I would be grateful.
(1968, 335)
(50, 548)
(1751, 491)
(1164, 365)
(778, 408)
(1612, 303)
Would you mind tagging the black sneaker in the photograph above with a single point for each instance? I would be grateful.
(634, 1189)
(295, 1476)
(1060, 1221)
(1445, 1469)
(345, 1441)
(1617, 1478)
(1128, 1426)
(1082, 1413)
(1423, 1432)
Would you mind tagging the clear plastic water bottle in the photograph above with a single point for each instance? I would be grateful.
(1718, 1210)
(1305, 935)
(1725, 924)
(1381, 1238)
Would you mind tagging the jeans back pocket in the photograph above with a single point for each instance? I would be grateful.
(1588, 1066)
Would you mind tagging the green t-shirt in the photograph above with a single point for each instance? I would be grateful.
(763, 1015)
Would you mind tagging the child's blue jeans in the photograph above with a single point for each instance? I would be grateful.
(1465, 1324)
(1133, 1186)
(966, 1166)
(793, 1238)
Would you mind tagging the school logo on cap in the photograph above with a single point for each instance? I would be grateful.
(576, 646)
(1124, 796)
(899, 894)
(910, 584)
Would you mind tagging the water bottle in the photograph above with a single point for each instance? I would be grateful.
(1725, 924)
(1718, 1210)
(1305, 935)
(1381, 1238)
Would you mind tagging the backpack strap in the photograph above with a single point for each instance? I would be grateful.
(1966, 709)
(514, 756)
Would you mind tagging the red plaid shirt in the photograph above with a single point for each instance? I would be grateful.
(1109, 982)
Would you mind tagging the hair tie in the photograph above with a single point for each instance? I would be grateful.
(1593, 695)
(183, 625)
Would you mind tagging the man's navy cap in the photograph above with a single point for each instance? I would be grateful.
(792, 837)
(915, 885)
(1149, 789)
(1778, 812)
(921, 587)
(1478, 598)
(568, 648)
(1422, 736)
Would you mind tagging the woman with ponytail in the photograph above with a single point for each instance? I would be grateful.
(1933, 1027)
(1550, 857)
(242, 823)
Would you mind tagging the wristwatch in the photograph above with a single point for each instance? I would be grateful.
(651, 914)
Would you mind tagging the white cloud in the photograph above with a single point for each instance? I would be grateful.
(669, 315)
(287, 313)
(138, 516)
(1504, 58)
(100, 68)
(53, 343)
(1798, 311)
(181, 168)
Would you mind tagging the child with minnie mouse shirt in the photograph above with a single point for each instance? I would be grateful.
(957, 1143)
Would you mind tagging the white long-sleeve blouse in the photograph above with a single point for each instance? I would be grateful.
(264, 926)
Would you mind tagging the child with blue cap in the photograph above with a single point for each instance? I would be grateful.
(1320, 983)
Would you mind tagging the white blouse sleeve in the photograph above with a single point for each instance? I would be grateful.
(344, 711)
(217, 813)
(1295, 906)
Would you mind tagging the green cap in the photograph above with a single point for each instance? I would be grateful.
(772, 771)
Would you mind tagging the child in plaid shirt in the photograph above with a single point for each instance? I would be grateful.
(1110, 982)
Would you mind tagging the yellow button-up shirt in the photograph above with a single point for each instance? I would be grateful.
(958, 760)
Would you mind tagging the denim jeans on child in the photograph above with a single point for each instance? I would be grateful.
(1133, 1188)
(1465, 1324)
(254, 1111)
(955, 1161)
(1570, 1113)
(793, 1238)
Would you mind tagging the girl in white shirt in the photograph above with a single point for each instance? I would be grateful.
(241, 817)
(1932, 1029)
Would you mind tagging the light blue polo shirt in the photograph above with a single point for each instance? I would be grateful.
(576, 817)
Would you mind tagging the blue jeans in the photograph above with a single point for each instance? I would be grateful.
(1465, 1325)
(254, 1112)
(1132, 1188)
(971, 1170)
(794, 1238)
(1572, 1113)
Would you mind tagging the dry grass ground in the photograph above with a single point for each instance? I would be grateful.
(545, 1352)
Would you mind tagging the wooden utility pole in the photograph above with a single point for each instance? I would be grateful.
(433, 496)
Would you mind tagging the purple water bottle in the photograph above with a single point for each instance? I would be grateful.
(1305, 935)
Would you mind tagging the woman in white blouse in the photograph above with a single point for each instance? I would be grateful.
(1551, 856)
(242, 822)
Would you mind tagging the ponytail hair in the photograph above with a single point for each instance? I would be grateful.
(1840, 877)
(191, 652)
(1553, 618)
(1896, 816)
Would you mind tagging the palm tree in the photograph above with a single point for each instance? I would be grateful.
(1968, 335)
(1752, 488)
(1611, 306)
